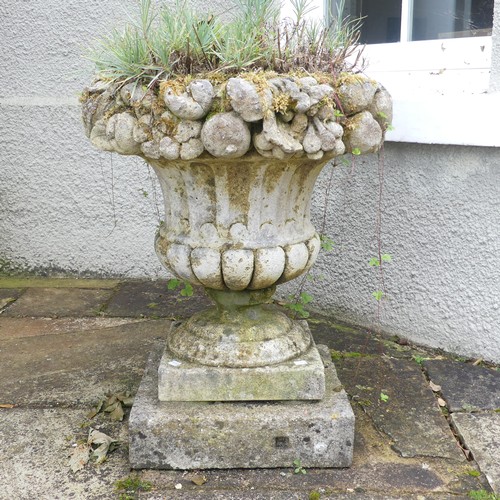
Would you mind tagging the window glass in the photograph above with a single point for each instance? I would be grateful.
(426, 19)
(451, 19)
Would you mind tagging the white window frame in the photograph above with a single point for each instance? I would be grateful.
(436, 85)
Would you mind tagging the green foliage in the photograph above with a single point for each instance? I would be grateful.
(130, 485)
(384, 397)
(418, 359)
(314, 495)
(172, 39)
(483, 495)
(297, 305)
(356, 151)
(378, 295)
(298, 469)
(186, 288)
(336, 355)
(375, 261)
(473, 472)
(326, 243)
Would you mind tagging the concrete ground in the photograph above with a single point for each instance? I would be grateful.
(428, 424)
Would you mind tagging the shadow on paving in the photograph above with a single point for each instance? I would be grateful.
(153, 299)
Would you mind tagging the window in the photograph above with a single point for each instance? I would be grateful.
(387, 21)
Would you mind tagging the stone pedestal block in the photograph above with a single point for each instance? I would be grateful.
(301, 378)
(203, 435)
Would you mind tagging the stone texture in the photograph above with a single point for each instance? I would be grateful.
(78, 368)
(217, 219)
(481, 435)
(226, 135)
(31, 327)
(192, 104)
(59, 302)
(465, 386)
(34, 463)
(242, 331)
(245, 99)
(175, 435)
(343, 337)
(356, 95)
(363, 133)
(410, 417)
(299, 379)
(153, 299)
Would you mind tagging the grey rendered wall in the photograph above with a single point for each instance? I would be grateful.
(495, 50)
(65, 207)
(441, 225)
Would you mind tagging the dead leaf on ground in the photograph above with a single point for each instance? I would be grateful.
(117, 414)
(198, 479)
(113, 404)
(441, 402)
(7, 405)
(434, 387)
(79, 457)
(477, 362)
(92, 413)
(105, 443)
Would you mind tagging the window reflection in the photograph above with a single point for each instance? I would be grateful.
(428, 19)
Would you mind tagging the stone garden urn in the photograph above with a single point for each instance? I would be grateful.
(237, 161)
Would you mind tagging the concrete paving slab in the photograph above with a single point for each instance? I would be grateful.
(465, 386)
(343, 337)
(389, 480)
(59, 302)
(481, 434)
(410, 416)
(34, 457)
(153, 299)
(76, 368)
(11, 328)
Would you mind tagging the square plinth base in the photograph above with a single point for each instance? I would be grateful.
(301, 378)
(226, 435)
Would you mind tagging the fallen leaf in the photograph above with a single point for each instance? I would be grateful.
(128, 401)
(477, 362)
(80, 457)
(198, 480)
(125, 398)
(117, 414)
(441, 402)
(434, 387)
(92, 413)
(99, 438)
(7, 405)
(111, 407)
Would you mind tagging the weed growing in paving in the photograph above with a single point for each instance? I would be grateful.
(129, 486)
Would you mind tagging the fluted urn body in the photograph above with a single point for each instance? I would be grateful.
(238, 227)
(239, 224)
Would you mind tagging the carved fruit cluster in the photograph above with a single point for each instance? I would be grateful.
(279, 117)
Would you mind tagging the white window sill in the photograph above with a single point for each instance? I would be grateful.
(440, 90)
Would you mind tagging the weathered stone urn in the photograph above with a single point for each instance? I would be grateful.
(241, 384)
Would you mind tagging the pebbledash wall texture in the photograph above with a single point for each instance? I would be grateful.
(67, 208)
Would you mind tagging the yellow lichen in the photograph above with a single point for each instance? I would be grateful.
(282, 103)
